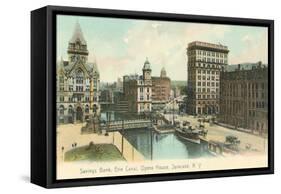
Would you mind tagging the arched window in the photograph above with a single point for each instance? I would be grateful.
(61, 109)
(95, 108)
(77, 44)
(79, 80)
(70, 109)
(87, 108)
(79, 76)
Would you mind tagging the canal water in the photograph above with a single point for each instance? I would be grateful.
(157, 146)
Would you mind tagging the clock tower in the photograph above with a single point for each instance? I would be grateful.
(146, 71)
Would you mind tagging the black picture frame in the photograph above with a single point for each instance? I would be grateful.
(43, 95)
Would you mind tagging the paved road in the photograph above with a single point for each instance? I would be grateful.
(218, 133)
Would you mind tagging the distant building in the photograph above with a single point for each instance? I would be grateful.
(177, 92)
(161, 88)
(77, 82)
(111, 95)
(138, 90)
(244, 97)
(119, 85)
(205, 62)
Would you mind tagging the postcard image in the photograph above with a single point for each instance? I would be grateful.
(137, 97)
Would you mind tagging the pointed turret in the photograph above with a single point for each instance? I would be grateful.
(77, 46)
(78, 35)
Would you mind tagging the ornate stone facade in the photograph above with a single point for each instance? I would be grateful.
(77, 82)
(138, 90)
(244, 97)
(205, 63)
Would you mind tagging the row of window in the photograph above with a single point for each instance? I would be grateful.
(78, 80)
(207, 102)
(207, 96)
(208, 53)
(77, 46)
(213, 84)
(208, 72)
(70, 109)
(147, 89)
(78, 89)
(206, 90)
(77, 99)
(252, 105)
(209, 60)
(207, 78)
(142, 97)
(193, 63)
(253, 86)
(235, 93)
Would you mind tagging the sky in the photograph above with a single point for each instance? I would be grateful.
(121, 46)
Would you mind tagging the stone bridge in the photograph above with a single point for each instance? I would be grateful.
(126, 124)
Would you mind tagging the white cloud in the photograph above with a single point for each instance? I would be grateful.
(165, 43)
(255, 49)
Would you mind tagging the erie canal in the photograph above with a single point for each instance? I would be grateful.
(158, 146)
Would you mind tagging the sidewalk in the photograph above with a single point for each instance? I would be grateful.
(239, 129)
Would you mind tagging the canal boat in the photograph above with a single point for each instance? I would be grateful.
(189, 134)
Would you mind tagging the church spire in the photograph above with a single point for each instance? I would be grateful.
(78, 35)
(77, 46)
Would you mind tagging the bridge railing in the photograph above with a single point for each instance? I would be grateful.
(123, 124)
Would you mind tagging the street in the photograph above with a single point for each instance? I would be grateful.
(258, 144)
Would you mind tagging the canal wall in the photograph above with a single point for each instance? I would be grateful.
(70, 134)
(128, 151)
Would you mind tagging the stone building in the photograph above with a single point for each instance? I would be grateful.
(146, 93)
(77, 82)
(138, 90)
(244, 97)
(205, 63)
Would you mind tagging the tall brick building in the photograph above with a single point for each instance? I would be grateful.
(161, 88)
(244, 97)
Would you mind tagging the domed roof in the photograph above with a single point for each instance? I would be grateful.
(146, 65)
(163, 72)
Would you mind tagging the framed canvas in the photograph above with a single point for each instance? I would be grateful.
(126, 96)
